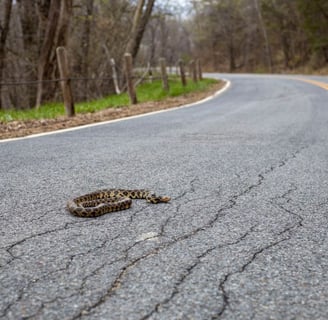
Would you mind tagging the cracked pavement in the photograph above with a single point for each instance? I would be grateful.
(244, 236)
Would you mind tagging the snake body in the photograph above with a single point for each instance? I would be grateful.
(103, 201)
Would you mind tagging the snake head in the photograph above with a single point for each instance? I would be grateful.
(165, 199)
(155, 199)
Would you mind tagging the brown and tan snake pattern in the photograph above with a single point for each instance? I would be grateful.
(103, 201)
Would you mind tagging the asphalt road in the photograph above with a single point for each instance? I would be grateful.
(244, 236)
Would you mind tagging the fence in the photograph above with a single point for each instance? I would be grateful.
(131, 80)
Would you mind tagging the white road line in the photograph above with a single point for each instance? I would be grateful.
(226, 87)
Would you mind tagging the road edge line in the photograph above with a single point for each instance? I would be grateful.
(322, 85)
(84, 126)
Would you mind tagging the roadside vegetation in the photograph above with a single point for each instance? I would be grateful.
(145, 92)
(259, 36)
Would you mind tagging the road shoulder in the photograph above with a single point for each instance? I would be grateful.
(15, 129)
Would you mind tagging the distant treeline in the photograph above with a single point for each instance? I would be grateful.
(227, 35)
(261, 35)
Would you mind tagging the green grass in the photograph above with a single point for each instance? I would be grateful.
(145, 92)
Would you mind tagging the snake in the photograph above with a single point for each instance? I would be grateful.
(100, 202)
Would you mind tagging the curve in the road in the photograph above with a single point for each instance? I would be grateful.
(222, 90)
(244, 237)
(314, 82)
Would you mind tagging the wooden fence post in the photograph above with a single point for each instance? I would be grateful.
(164, 74)
(128, 68)
(192, 68)
(182, 73)
(199, 70)
(115, 78)
(150, 73)
(65, 81)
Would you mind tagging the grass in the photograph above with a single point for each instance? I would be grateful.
(145, 92)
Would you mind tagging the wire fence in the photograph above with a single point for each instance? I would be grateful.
(69, 89)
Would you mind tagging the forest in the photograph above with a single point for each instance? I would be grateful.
(262, 36)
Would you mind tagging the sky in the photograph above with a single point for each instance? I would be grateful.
(185, 4)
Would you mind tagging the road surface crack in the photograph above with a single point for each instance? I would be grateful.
(10, 247)
(286, 199)
(282, 202)
(229, 205)
(226, 302)
(34, 281)
(188, 271)
(119, 279)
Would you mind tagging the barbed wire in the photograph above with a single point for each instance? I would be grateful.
(36, 82)
(144, 69)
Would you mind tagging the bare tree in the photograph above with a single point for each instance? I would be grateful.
(141, 17)
(4, 29)
(56, 35)
(86, 44)
(265, 35)
(166, 35)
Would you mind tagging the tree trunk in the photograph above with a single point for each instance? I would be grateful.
(140, 20)
(152, 45)
(86, 45)
(163, 37)
(4, 29)
(265, 36)
(231, 52)
(26, 21)
(55, 35)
